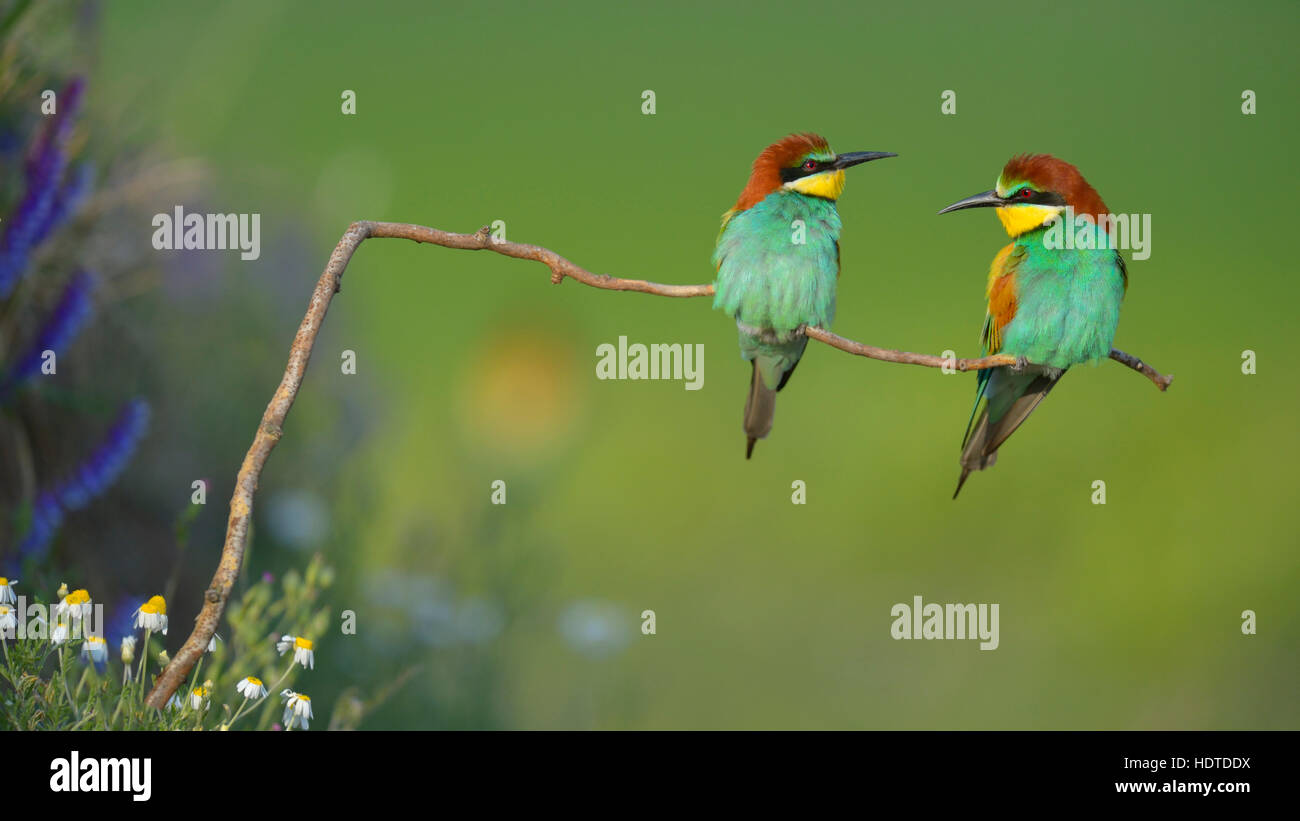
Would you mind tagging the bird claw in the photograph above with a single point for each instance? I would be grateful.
(1021, 364)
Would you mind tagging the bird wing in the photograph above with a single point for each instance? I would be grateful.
(1001, 293)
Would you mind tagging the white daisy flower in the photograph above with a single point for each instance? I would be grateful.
(152, 615)
(7, 591)
(297, 710)
(303, 653)
(75, 605)
(199, 699)
(8, 621)
(303, 650)
(251, 687)
(60, 633)
(95, 650)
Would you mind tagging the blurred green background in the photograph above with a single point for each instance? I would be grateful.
(625, 496)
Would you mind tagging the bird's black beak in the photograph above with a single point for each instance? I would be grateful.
(986, 199)
(855, 157)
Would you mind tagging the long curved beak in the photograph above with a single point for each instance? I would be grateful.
(985, 199)
(855, 157)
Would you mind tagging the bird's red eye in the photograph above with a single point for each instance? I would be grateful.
(1026, 193)
(809, 165)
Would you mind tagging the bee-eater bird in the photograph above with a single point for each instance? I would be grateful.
(1048, 307)
(778, 259)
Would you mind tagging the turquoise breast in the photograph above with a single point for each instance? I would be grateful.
(778, 263)
(1067, 303)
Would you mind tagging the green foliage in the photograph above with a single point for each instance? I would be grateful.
(53, 686)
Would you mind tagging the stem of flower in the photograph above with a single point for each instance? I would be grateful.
(276, 686)
(235, 717)
(198, 668)
(82, 682)
(63, 668)
(144, 658)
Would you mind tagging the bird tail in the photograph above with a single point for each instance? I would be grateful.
(1012, 397)
(760, 409)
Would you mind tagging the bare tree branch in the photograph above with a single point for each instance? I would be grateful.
(271, 426)
(481, 240)
(904, 357)
(1129, 360)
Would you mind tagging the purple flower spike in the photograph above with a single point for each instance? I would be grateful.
(46, 519)
(56, 334)
(91, 478)
(66, 202)
(40, 210)
(58, 129)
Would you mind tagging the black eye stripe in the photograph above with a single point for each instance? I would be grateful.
(1036, 198)
(790, 174)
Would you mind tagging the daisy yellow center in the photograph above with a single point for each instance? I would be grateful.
(4, 582)
(255, 681)
(200, 692)
(301, 697)
(78, 597)
(302, 644)
(4, 611)
(157, 606)
(95, 640)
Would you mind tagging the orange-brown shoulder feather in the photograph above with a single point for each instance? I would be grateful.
(1001, 294)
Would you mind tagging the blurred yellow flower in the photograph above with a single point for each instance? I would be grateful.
(95, 650)
(520, 393)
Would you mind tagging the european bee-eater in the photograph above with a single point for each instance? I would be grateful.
(778, 259)
(1049, 307)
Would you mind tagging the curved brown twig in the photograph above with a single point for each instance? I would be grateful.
(1128, 359)
(271, 426)
(905, 357)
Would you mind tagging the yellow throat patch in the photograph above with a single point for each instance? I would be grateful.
(827, 184)
(1018, 219)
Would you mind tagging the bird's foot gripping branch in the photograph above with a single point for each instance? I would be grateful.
(269, 429)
